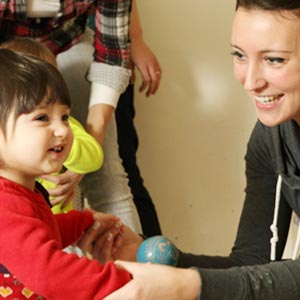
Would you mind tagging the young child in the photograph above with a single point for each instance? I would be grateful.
(86, 154)
(35, 139)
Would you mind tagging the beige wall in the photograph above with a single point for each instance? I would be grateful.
(193, 133)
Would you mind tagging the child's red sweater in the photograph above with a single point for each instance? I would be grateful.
(31, 243)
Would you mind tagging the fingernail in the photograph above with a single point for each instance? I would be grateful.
(96, 225)
(119, 224)
(109, 236)
(88, 255)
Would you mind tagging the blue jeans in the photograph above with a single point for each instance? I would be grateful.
(107, 189)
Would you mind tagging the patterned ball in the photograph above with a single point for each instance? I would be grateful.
(158, 250)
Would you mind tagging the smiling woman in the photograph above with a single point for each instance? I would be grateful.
(267, 62)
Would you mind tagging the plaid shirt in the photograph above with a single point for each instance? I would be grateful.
(60, 33)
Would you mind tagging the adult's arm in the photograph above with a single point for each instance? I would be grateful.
(247, 273)
(109, 74)
(252, 244)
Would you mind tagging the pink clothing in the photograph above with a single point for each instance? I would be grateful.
(32, 239)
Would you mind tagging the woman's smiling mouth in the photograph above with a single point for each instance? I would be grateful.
(268, 99)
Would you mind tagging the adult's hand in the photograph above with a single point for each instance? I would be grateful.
(65, 189)
(147, 64)
(127, 250)
(155, 282)
(142, 57)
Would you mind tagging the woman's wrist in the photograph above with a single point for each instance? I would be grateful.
(193, 283)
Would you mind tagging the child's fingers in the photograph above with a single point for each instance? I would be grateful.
(86, 243)
(105, 254)
(105, 219)
(109, 238)
(105, 246)
(118, 241)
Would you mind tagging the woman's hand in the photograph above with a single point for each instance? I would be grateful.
(155, 282)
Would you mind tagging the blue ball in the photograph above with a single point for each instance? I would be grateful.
(158, 250)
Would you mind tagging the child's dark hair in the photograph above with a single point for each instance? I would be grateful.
(269, 4)
(25, 82)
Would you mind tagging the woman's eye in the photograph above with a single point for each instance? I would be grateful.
(237, 55)
(275, 60)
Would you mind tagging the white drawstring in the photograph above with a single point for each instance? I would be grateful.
(273, 227)
(297, 243)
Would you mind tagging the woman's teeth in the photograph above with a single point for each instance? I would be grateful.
(267, 99)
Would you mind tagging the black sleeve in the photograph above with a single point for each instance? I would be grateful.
(252, 244)
(273, 281)
(247, 272)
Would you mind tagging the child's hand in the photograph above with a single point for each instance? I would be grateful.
(124, 246)
(106, 245)
(105, 233)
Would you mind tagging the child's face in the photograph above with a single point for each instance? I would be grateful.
(36, 143)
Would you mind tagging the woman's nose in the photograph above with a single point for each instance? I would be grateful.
(254, 79)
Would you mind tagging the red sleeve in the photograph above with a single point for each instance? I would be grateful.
(72, 225)
(31, 250)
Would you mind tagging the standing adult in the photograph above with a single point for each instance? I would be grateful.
(142, 58)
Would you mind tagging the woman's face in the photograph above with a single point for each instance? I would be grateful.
(266, 51)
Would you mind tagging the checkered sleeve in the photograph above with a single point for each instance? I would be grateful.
(112, 51)
(112, 45)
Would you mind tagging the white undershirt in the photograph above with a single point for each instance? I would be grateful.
(103, 94)
(42, 8)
